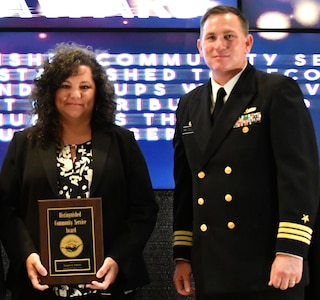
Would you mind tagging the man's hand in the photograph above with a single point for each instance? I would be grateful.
(35, 270)
(109, 271)
(286, 271)
(182, 278)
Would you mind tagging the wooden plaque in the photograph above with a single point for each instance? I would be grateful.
(71, 239)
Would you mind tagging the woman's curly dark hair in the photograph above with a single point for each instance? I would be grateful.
(65, 63)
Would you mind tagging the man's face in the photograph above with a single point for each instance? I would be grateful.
(224, 46)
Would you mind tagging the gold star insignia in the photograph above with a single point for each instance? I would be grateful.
(305, 218)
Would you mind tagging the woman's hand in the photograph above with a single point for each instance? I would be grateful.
(109, 271)
(35, 270)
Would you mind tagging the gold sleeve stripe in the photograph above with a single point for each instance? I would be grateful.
(183, 232)
(296, 226)
(295, 232)
(182, 243)
(182, 238)
(293, 237)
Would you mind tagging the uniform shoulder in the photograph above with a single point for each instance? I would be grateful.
(273, 77)
(196, 93)
(197, 90)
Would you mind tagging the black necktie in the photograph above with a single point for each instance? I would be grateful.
(219, 104)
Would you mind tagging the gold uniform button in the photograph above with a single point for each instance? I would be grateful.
(201, 175)
(203, 228)
(245, 129)
(200, 201)
(228, 197)
(231, 225)
(227, 170)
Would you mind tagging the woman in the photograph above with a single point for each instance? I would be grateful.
(75, 150)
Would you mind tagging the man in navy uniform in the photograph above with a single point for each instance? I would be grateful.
(247, 175)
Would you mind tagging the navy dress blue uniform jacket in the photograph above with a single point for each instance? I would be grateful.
(120, 177)
(247, 187)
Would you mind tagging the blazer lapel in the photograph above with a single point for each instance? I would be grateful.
(241, 95)
(100, 146)
(49, 163)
